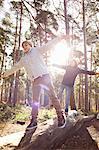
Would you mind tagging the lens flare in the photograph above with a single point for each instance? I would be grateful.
(59, 55)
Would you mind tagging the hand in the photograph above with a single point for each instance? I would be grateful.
(97, 73)
(2, 75)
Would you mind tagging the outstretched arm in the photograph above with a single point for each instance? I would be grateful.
(14, 68)
(59, 66)
(49, 45)
(87, 72)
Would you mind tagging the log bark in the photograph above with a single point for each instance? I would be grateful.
(49, 137)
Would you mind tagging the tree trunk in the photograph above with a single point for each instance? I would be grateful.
(14, 55)
(90, 90)
(82, 95)
(17, 57)
(66, 17)
(85, 55)
(2, 63)
(49, 137)
(79, 100)
(10, 92)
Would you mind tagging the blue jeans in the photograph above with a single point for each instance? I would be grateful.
(69, 91)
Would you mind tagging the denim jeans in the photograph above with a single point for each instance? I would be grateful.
(69, 92)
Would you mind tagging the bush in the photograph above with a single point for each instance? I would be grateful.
(19, 112)
(6, 112)
(22, 113)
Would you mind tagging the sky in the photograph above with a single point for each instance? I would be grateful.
(4, 9)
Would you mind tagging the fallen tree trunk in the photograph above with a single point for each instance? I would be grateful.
(49, 137)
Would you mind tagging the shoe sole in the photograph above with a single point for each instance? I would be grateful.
(66, 114)
(63, 125)
(31, 128)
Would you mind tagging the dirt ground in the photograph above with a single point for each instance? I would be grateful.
(84, 138)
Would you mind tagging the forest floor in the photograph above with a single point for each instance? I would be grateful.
(85, 138)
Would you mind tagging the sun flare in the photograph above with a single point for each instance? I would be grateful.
(60, 54)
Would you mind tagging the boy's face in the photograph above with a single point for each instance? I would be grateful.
(73, 63)
(26, 47)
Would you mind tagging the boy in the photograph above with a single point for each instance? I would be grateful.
(37, 72)
(71, 72)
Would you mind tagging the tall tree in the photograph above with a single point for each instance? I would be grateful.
(15, 96)
(85, 55)
(5, 41)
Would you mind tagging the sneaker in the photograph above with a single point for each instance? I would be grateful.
(74, 108)
(66, 109)
(66, 112)
(32, 125)
(61, 122)
(97, 116)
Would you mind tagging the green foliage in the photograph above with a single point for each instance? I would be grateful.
(22, 113)
(45, 114)
(15, 5)
(92, 22)
(46, 17)
(96, 57)
(13, 113)
(2, 37)
(6, 112)
(43, 23)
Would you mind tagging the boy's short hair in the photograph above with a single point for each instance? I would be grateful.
(27, 42)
